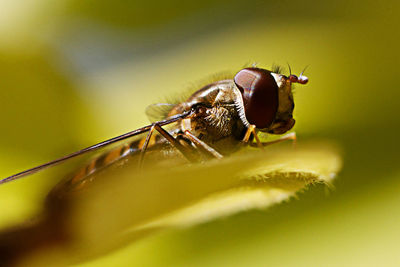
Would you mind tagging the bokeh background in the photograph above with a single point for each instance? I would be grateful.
(73, 73)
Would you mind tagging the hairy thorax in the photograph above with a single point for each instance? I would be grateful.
(216, 120)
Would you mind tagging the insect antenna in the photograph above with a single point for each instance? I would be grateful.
(303, 79)
(301, 74)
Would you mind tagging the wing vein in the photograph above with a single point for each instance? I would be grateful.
(93, 148)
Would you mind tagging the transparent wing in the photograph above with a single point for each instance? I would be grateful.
(158, 111)
(92, 148)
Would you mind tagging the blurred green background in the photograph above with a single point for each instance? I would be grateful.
(73, 73)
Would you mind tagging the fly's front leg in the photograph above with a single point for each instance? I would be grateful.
(252, 130)
(290, 136)
(206, 149)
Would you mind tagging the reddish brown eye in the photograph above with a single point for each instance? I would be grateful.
(260, 96)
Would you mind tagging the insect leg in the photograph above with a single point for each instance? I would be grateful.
(185, 152)
(145, 145)
(252, 130)
(248, 133)
(290, 136)
(205, 148)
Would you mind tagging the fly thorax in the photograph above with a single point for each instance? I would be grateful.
(214, 124)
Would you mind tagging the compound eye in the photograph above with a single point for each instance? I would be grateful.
(260, 96)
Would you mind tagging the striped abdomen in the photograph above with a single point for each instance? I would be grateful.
(118, 155)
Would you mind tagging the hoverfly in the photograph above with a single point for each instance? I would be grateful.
(214, 121)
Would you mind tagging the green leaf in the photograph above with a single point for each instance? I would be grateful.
(130, 204)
